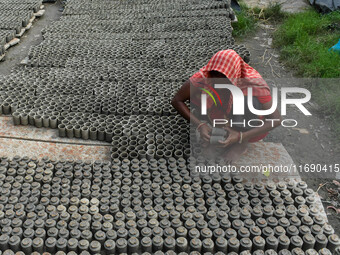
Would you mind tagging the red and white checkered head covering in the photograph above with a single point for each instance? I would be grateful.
(240, 74)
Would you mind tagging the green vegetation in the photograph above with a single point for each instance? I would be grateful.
(272, 13)
(248, 18)
(246, 22)
(304, 39)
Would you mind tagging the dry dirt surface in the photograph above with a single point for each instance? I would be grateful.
(291, 6)
(313, 140)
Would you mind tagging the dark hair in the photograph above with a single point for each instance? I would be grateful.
(216, 74)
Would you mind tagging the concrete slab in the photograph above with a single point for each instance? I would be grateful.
(7, 130)
(11, 147)
(271, 160)
(42, 142)
(291, 6)
(263, 161)
(266, 153)
(261, 156)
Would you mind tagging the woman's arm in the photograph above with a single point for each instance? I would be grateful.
(234, 136)
(178, 102)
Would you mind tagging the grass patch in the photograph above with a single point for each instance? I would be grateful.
(304, 40)
(248, 18)
(246, 22)
(272, 13)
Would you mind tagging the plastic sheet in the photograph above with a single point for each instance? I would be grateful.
(326, 6)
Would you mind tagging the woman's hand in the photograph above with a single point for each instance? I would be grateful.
(205, 132)
(183, 95)
(233, 137)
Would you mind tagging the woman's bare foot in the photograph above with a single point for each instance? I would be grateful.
(235, 151)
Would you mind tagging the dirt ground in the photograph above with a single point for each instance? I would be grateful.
(312, 141)
(286, 5)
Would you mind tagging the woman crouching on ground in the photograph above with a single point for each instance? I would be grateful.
(226, 67)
